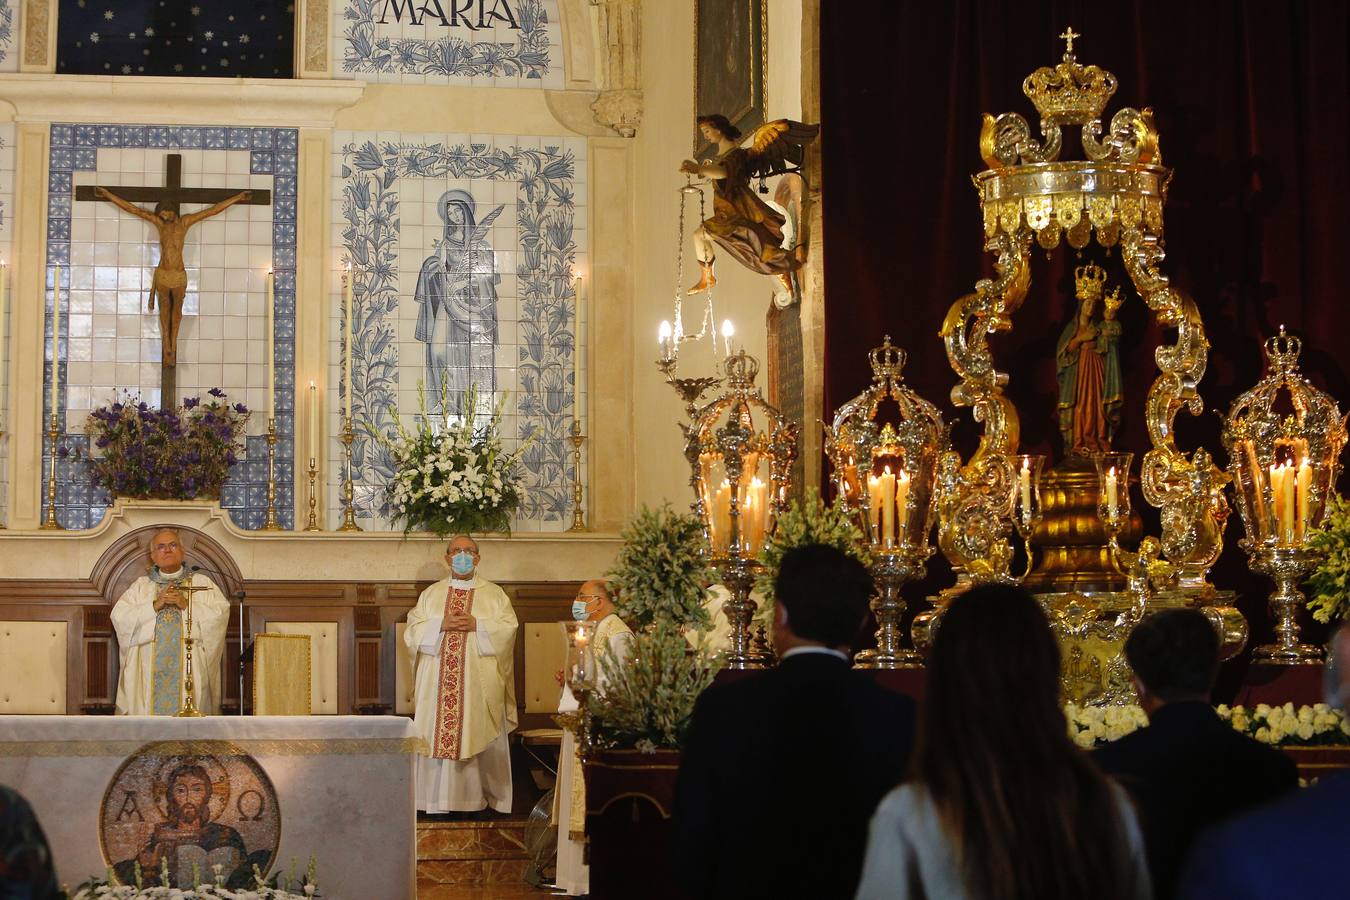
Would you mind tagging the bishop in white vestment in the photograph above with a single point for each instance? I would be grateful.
(593, 603)
(463, 632)
(150, 619)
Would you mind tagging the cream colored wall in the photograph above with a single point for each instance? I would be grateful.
(664, 139)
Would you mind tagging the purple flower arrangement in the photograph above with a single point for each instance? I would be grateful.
(179, 454)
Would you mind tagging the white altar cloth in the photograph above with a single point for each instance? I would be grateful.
(344, 788)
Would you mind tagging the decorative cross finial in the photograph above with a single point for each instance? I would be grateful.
(1068, 37)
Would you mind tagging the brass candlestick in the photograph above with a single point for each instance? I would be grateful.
(348, 492)
(50, 523)
(313, 524)
(578, 493)
(270, 522)
(189, 710)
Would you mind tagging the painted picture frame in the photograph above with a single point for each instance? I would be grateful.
(730, 59)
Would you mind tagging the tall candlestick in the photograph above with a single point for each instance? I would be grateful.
(56, 343)
(313, 420)
(271, 351)
(1112, 497)
(347, 350)
(578, 341)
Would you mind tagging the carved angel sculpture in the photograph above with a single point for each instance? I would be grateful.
(759, 236)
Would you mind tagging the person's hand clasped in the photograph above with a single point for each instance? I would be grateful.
(170, 596)
(459, 622)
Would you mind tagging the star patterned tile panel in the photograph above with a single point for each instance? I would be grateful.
(198, 38)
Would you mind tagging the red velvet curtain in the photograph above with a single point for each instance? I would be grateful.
(1250, 99)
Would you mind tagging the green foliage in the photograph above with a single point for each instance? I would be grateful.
(1328, 583)
(812, 522)
(662, 572)
(649, 694)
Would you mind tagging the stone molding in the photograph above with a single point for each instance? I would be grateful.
(184, 101)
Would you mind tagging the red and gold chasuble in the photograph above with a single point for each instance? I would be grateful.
(451, 682)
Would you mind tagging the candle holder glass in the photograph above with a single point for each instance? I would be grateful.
(885, 477)
(740, 451)
(1284, 440)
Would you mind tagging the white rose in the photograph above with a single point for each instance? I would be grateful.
(1263, 735)
(1262, 710)
(1305, 730)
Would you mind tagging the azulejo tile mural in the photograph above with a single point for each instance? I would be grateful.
(497, 43)
(464, 251)
(110, 342)
(9, 59)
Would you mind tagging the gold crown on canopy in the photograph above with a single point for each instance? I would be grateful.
(1089, 280)
(887, 361)
(1070, 93)
(1283, 351)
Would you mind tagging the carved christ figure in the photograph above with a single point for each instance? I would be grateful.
(169, 283)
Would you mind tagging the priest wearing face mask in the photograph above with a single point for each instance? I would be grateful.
(463, 633)
(594, 604)
(150, 619)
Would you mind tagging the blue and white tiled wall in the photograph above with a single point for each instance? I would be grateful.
(479, 43)
(9, 35)
(387, 219)
(111, 342)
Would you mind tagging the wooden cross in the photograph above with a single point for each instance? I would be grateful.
(170, 280)
(1068, 37)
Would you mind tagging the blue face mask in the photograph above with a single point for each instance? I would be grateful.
(579, 611)
(462, 563)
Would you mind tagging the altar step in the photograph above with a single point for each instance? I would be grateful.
(479, 860)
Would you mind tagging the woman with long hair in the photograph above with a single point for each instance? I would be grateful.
(1000, 804)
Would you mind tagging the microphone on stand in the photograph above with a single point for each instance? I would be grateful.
(237, 595)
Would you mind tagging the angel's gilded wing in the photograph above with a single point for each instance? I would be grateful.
(779, 146)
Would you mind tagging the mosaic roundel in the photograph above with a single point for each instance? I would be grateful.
(190, 806)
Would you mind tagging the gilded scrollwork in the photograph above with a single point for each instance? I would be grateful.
(1133, 138)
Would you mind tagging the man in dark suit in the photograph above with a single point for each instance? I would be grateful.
(1188, 769)
(782, 769)
(1291, 848)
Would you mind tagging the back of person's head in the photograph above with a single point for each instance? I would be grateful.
(1174, 654)
(1028, 814)
(825, 593)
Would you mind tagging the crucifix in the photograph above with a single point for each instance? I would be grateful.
(169, 284)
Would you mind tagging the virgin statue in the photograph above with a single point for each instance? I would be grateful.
(1087, 358)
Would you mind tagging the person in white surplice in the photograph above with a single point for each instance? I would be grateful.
(463, 632)
(595, 604)
(149, 619)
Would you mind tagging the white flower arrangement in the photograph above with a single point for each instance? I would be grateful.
(1287, 725)
(112, 889)
(451, 474)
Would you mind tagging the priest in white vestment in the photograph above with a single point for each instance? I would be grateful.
(463, 633)
(150, 619)
(594, 603)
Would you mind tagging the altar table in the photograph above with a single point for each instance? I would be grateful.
(285, 788)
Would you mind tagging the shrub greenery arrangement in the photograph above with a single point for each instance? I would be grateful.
(662, 573)
(451, 472)
(812, 521)
(175, 454)
(1329, 584)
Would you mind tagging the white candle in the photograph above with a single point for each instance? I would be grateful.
(347, 355)
(902, 503)
(271, 352)
(1287, 491)
(1112, 497)
(56, 342)
(1304, 481)
(313, 421)
(874, 507)
(1024, 480)
(888, 508)
(728, 330)
(578, 340)
(1276, 476)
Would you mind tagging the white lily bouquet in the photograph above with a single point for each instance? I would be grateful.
(451, 473)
